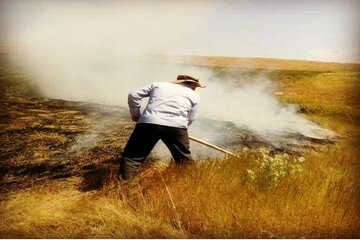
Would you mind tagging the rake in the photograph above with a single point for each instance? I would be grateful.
(213, 146)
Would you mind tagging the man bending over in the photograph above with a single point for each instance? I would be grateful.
(171, 108)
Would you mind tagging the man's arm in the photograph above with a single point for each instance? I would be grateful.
(193, 113)
(134, 101)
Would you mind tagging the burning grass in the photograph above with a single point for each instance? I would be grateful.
(58, 174)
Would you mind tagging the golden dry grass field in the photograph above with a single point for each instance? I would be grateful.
(58, 167)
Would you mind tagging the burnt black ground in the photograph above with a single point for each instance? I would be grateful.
(48, 139)
(43, 139)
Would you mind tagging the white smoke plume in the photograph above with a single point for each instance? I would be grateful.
(98, 51)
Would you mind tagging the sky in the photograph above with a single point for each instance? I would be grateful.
(322, 30)
(314, 30)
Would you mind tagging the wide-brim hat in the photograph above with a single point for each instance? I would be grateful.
(188, 78)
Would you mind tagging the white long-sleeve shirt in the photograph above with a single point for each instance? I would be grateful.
(170, 104)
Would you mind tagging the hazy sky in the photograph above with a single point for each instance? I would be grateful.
(323, 30)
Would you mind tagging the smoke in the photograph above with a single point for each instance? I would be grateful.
(87, 50)
(251, 105)
(84, 50)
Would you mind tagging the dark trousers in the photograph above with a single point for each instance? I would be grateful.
(142, 141)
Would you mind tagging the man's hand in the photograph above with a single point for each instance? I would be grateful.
(135, 118)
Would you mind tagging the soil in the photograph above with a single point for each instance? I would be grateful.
(45, 139)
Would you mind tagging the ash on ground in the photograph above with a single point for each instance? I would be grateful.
(44, 139)
(227, 135)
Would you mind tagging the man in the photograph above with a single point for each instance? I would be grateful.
(171, 108)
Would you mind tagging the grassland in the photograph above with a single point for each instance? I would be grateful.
(72, 191)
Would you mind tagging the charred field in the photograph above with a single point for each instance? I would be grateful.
(44, 139)
(59, 160)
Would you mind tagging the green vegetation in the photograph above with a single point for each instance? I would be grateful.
(325, 94)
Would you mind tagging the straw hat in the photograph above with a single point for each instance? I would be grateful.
(188, 78)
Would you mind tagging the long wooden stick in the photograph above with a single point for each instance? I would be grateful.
(212, 146)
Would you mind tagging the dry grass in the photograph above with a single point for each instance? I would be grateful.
(56, 210)
(212, 200)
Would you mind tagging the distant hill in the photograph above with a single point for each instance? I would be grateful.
(5, 48)
(260, 63)
(240, 62)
